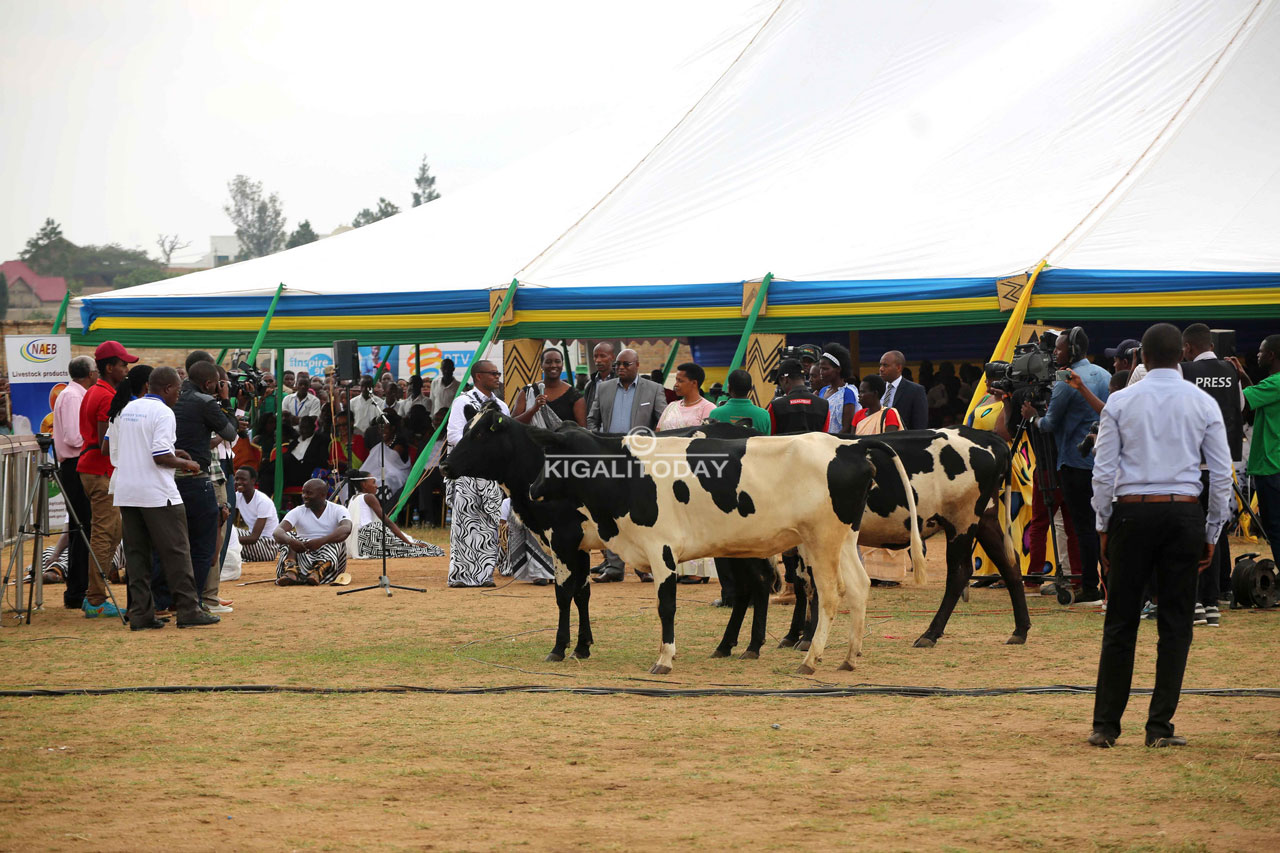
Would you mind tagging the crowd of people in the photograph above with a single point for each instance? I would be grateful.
(165, 472)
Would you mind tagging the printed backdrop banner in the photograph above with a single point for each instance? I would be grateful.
(37, 374)
(313, 361)
(430, 356)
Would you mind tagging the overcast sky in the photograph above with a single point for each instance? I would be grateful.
(123, 119)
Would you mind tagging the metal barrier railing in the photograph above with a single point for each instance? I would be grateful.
(19, 472)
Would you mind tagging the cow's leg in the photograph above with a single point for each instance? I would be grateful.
(791, 575)
(759, 577)
(823, 557)
(667, 615)
(740, 584)
(992, 539)
(857, 587)
(564, 598)
(582, 598)
(959, 568)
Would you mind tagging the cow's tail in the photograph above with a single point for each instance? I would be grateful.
(917, 546)
(1007, 519)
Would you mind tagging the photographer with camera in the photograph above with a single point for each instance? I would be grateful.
(199, 418)
(1069, 418)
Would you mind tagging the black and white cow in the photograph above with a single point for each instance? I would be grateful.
(957, 475)
(500, 448)
(658, 501)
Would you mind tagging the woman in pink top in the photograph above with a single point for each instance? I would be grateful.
(691, 410)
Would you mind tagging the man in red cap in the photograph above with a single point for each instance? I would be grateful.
(95, 472)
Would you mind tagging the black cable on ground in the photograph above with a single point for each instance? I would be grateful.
(834, 691)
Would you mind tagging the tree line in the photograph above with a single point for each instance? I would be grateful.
(259, 223)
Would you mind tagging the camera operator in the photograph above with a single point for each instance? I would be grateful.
(1264, 448)
(1069, 418)
(198, 415)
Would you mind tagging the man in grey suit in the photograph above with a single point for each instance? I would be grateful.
(619, 406)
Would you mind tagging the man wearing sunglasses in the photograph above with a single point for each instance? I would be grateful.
(627, 402)
(473, 531)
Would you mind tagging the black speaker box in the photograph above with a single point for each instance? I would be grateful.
(346, 358)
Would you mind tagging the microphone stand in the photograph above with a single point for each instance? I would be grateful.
(384, 583)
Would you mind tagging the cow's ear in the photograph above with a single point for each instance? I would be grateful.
(496, 424)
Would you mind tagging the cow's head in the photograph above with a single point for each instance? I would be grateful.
(488, 444)
(561, 449)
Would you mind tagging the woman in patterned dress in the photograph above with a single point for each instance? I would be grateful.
(367, 521)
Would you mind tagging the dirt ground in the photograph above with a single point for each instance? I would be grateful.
(554, 771)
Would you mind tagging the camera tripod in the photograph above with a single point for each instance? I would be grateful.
(384, 583)
(36, 525)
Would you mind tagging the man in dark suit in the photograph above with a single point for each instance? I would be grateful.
(620, 405)
(902, 394)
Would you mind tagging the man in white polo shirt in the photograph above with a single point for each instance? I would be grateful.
(151, 509)
(312, 539)
(258, 515)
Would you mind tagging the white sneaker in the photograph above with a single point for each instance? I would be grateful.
(219, 608)
(1200, 618)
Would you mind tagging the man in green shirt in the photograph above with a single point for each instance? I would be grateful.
(1264, 448)
(739, 409)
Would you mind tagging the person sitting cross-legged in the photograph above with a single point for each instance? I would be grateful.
(312, 539)
(258, 515)
(368, 539)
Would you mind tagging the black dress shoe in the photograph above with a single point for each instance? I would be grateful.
(146, 626)
(198, 618)
(1101, 740)
(645, 577)
(607, 577)
(487, 583)
(541, 581)
(1171, 740)
(599, 569)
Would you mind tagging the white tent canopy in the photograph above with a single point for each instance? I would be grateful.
(863, 140)
(870, 140)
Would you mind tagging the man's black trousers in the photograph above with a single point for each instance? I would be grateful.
(1160, 542)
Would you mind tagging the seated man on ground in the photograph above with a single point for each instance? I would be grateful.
(367, 520)
(312, 539)
(258, 515)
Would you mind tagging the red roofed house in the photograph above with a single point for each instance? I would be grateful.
(30, 292)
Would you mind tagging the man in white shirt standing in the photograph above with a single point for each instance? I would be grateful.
(67, 444)
(1146, 499)
(312, 539)
(258, 514)
(473, 531)
(303, 402)
(443, 390)
(366, 407)
(151, 509)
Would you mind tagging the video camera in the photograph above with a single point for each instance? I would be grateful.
(246, 380)
(799, 353)
(1028, 377)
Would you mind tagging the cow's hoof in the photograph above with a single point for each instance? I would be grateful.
(720, 653)
(803, 645)
(555, 657)
(786, 643)
(580, 654)
(845, 667)
(749, 655)
(925, 642)
(659, 669)
(805, 669)
(1016, 640)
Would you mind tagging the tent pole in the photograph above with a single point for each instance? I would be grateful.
(278, 482)
(1009, 337)
(671, 361)
(62, 312)
(751, 323)
(222, 355)
(415, 474)
(262, 332)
